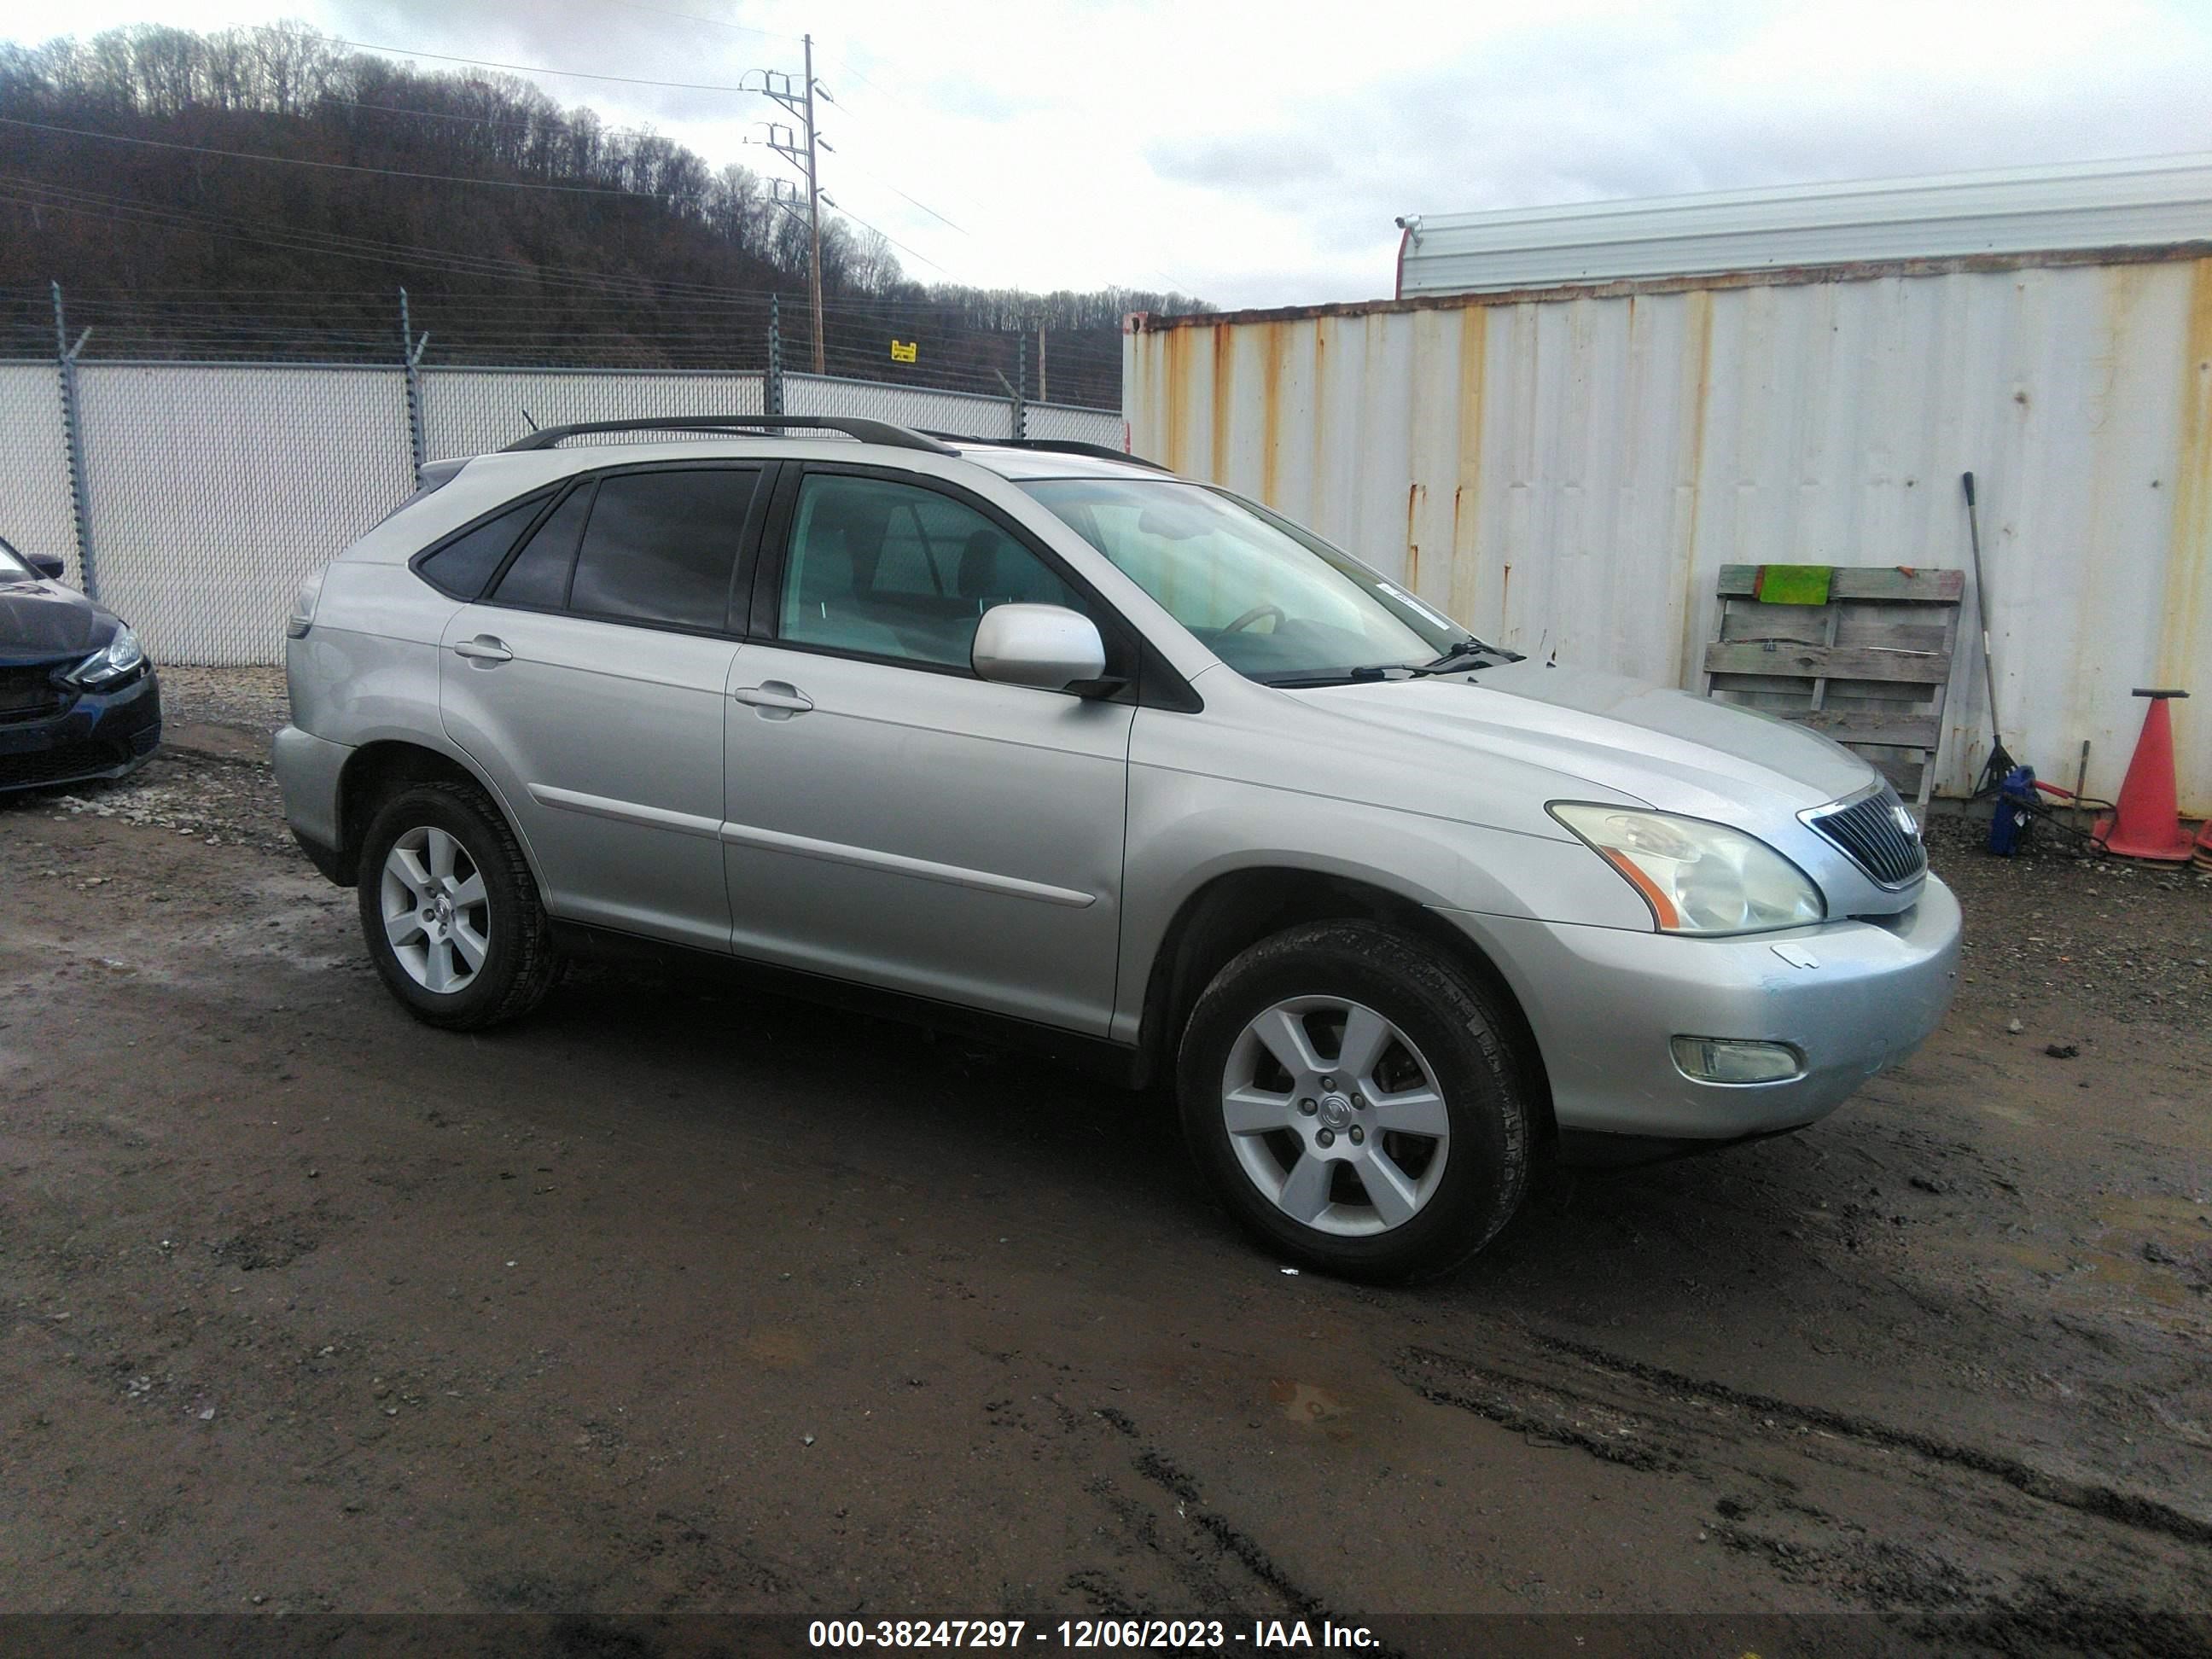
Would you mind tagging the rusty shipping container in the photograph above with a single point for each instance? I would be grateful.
(1565, 468)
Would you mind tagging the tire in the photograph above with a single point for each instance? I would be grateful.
(1443, 1103)
(500, 921)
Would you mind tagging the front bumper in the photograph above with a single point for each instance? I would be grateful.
(1604, 1003)
(99, 734)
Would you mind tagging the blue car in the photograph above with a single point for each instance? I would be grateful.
(78, 696)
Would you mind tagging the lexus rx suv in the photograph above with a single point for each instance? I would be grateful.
(1039, 738)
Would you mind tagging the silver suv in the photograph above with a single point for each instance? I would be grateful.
(1041, 736)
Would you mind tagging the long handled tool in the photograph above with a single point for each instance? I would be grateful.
(2000, 761)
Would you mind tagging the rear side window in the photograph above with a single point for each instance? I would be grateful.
(662, 547)
(539, 577)
(462, 567)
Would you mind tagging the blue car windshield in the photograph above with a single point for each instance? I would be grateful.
(1275, 603)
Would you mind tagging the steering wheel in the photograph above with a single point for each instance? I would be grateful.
(1254, 615)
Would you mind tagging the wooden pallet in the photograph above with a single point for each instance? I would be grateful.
(1869, 668)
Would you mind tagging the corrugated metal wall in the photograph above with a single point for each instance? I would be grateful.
(1569, 472)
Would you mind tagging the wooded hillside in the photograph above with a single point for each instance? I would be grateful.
(525, 232)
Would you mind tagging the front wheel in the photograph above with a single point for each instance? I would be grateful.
(1349, 1093)
(450, 912)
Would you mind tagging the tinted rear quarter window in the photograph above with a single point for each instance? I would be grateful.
(662, 547)
(465, 564)
(539, 575)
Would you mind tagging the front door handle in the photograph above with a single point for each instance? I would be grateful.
(777, 700)
(485, 648)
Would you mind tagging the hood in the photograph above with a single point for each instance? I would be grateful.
(1662, 747)
(42, 621)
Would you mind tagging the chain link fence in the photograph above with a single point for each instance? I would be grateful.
(215, 489)
(468, 412)
(35, 513)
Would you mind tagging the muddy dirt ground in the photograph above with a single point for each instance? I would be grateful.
(678, 1298)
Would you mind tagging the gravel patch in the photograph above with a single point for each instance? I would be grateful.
(2064, 932)
(246, 699)
(221, 803)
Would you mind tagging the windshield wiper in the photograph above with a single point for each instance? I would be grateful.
(1364, 673)
(1467, 653)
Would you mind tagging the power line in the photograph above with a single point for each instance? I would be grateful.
(56, 199)
(888, 237)
(439, 115)
(533, 69)
(326, 167)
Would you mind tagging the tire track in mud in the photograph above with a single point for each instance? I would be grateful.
(2106, 1503)
(1878, 1512)
(1266, 1588)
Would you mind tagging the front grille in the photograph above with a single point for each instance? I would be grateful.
(30, 693)
(1872, 830)
(60, 764)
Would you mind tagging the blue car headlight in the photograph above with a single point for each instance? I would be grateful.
(122, 658)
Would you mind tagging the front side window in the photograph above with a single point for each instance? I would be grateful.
(14, 567)
(1275, 604)
(888, 569)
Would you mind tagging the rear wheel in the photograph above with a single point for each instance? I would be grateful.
(450, 910)
(1349, 1091)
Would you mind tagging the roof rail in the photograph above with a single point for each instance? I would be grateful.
(868, 432)
(1055, 446)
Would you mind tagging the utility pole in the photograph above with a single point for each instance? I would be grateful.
(813, 207)
(777, 86)
(1043, 396)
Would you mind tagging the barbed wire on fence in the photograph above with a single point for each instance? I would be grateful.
(924, 347)
(163, 452)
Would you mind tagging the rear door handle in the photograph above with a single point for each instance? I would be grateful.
(777, 700)
(485, 648)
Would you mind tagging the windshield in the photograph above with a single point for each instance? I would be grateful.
(14, 567)
(1274, 603)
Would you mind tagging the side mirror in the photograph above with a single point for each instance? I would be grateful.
(1047, 646)
(47, 565)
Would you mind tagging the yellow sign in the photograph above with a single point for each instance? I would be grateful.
(902, 351)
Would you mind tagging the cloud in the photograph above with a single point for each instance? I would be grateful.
(1255, 151)
(1279, 166)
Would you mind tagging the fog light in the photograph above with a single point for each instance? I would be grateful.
(1726, 1060)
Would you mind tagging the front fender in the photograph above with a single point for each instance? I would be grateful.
(1186, 831)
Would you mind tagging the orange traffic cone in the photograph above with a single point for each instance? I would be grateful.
(2146, 821)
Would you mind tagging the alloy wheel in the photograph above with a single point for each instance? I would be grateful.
(436, 912)
(1335, 1116)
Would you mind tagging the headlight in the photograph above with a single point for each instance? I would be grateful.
(1698, 877)
(303, 607)
(123, 658)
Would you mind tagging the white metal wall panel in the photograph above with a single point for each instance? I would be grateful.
(216, 490)
(2146, 203)
(35, 514)
(961, 413)
(1567, 475)
(470, 411)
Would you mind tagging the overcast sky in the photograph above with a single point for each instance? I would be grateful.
(1257, 155)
